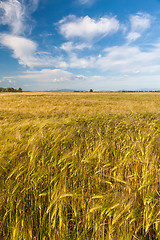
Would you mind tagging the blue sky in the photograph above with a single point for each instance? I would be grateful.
(80, 44)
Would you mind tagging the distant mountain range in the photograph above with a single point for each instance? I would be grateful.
(60, 90)
(72, 90)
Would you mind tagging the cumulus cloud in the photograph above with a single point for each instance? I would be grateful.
(55, 79)
(74, 61)
(13, 15)
(25, 50)
(86, 27)
(16, 14)
(122, 60)
(48, 75)
(132, 36)
(54, 76)
(139, 23)
(129, 59)
(22, 48)
(70, 46)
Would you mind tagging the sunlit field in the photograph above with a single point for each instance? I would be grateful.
(79, 166)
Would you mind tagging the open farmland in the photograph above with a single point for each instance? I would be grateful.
(79, 166)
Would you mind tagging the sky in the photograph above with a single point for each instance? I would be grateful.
(104, 45)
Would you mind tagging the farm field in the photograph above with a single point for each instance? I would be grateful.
(79, 166)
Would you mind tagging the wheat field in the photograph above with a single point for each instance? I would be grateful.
(79, 166)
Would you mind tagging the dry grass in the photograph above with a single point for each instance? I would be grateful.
(80, 166)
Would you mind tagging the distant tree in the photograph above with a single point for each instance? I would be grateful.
(11, 89)
(91, 90)
(8, 89)
(19, 89)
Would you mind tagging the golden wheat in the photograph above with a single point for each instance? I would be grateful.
(80, 166)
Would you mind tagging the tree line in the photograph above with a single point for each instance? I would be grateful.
(10, 89)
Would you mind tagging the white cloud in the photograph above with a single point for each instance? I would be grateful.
(47, 79)
(32, 5)
(127, 59)
(83, 62)
(13, 14)
(122, 60)
(48, 75)
(70, 46)
(86, 27)
(23, 48)
(54, 76)
(139, 23)
(16, 14)
(132, 36)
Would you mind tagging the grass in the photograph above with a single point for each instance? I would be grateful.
(79, 166)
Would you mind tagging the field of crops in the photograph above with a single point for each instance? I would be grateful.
(79, 166)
